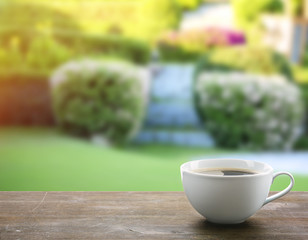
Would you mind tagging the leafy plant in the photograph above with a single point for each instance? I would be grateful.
(132, 50)
(45, 54)
(106, 98)
(190, 44)
(156, 16)
(32, 20)
(247, 12)
(249, 111)
(42, 56)
(248, 59)
(189, 4)
(296, 7)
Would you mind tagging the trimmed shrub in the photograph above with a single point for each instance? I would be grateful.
(132, 50)
(249, 111)
(107, 98)
(304, 90)
(245, 59)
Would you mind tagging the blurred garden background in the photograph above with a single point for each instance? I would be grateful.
(114, 95)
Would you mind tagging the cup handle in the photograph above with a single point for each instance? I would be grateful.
(283, 192)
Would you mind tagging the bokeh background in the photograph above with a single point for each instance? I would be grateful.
(114, 95)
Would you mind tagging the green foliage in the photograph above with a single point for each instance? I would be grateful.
(302, 143)
(300, 73)
(247, 12)
(42, 56)
(158, 16)
(45, 54)
(91, 97)
(189, 4)
(169, 53)
(304, 89)
(301, 77)
(189, 45)
(30, 42)
(246, 59)
(182, 46)
(303, 140)
(112, 45)
(40, 38)
(249, 111)
(296, 7)
(305, 58)
(31, 20)
(141, 19)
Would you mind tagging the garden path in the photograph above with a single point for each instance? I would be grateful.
(171, 116)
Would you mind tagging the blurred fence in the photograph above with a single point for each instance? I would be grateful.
(25, 101)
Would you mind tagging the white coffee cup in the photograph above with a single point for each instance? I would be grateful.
(229, 199)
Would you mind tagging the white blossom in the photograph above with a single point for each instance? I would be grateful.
(280, 110)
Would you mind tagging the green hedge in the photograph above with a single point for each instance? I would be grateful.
(44, 53)
(41, 56)
(245, 59)
(133, 50)
(249, 111)
(99, 98)
(301, 77)
(304, 89)
(303, 140)
(40, 38)
(169, 53)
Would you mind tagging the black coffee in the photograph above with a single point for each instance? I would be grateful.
(224, 171)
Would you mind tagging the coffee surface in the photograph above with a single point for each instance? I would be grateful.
(224, 171)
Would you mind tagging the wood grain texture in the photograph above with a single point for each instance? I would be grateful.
(139, 215)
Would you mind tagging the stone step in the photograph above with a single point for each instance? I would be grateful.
(173, 82)
(171, 110)
(196, 138)
(170, 114)
(171, 102)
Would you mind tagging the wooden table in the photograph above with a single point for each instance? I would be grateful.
(139, 215)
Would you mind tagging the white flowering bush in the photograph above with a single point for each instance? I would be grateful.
(93, 98)
(249, 111)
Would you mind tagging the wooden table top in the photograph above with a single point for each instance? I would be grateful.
(139, 215)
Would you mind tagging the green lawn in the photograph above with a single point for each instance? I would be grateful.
(44, 159)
